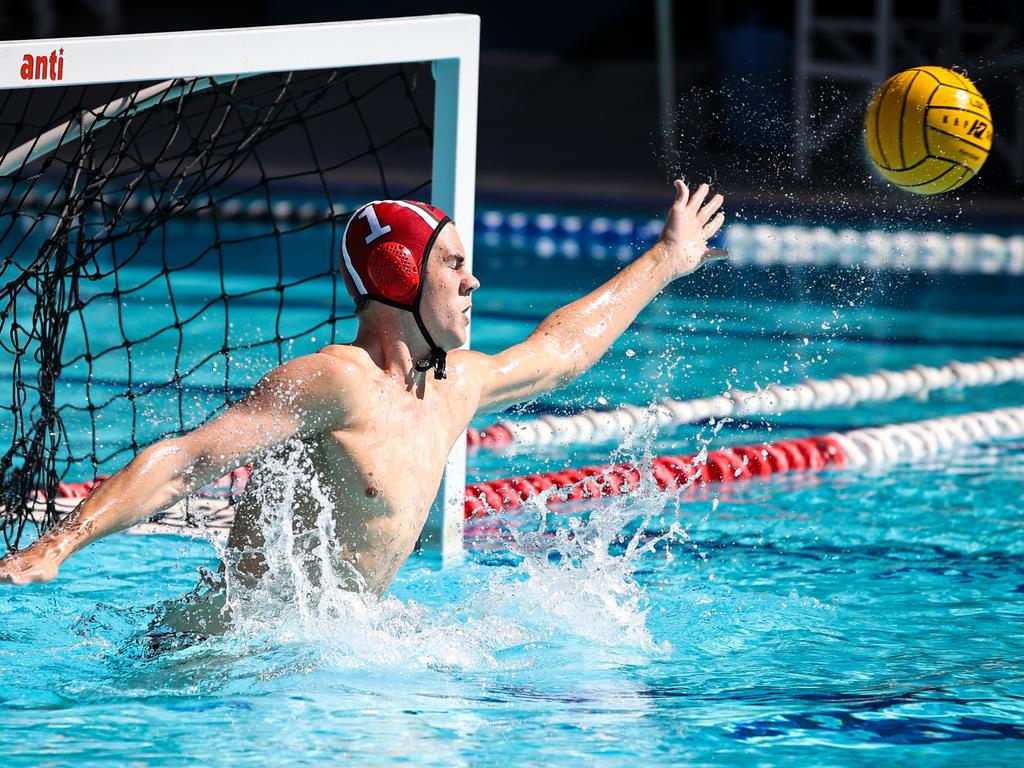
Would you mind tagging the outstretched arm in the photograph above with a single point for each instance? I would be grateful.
(573, 338)
(296, 397)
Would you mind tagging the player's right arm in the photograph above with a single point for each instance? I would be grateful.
(305, 395)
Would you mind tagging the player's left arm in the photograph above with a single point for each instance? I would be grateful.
(574, 337)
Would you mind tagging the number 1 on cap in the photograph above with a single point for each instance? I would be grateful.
(376, 230)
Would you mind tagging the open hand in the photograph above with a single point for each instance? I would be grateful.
(689, 225)
(29, 566)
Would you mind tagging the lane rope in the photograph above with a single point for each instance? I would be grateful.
(845, 391)
(876, 446)
(762, 244)
(885, 446)
(600, 237)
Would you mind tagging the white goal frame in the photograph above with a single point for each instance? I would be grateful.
(450, 42)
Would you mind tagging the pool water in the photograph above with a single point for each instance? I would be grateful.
(822, 619)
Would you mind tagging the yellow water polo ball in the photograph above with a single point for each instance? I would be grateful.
(928, 130)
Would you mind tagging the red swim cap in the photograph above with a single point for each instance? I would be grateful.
(385, 246)
(384, 250)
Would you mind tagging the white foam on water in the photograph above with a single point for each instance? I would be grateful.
(575, 583)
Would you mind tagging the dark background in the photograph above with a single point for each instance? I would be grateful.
(569, 106)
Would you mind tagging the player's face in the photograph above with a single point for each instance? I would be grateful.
(447, 289)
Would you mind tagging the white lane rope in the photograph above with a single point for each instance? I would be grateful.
(917, 440)
(844, 391)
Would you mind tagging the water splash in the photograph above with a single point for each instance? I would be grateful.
(574, 582)
(579, 578)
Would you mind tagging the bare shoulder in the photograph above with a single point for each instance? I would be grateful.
(342, 363)
(474, 367)
(329, 367)
(471, 359)
(472, 372)
(328, 381)
(513, 375)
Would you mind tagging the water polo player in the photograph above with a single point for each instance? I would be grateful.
(370, 423)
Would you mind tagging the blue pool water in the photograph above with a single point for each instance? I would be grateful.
(831, 619)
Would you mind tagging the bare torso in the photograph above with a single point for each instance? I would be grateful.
(378, 475)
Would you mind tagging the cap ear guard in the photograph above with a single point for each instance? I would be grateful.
(394, 271)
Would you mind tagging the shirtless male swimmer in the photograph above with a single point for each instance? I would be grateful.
(374, 424)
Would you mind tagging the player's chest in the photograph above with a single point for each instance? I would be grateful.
(385, 468)
(427, 424)
(405, 444)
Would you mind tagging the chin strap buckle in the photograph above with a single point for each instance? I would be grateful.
(436, 361)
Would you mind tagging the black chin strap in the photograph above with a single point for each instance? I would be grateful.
(437, 357)
(435, 361)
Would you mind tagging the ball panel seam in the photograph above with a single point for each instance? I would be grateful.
(932, 181)
(903, 114)
(924, 123)
(878, 112)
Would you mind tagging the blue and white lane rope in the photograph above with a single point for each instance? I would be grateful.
(767, 244)
(600, 237)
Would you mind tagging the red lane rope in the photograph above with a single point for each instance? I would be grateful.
(671, 473)
(232, 483)
(494, 436)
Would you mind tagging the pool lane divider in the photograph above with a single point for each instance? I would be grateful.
(886, 446)
(845, 391)
(762, 244)
(551, 234)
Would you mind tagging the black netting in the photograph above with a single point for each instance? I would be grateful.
(170, 249)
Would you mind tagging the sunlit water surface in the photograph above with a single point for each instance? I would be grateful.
(829, 619)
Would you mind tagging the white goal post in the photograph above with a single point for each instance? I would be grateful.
(449, 42)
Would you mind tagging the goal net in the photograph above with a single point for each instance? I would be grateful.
(166, 240)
